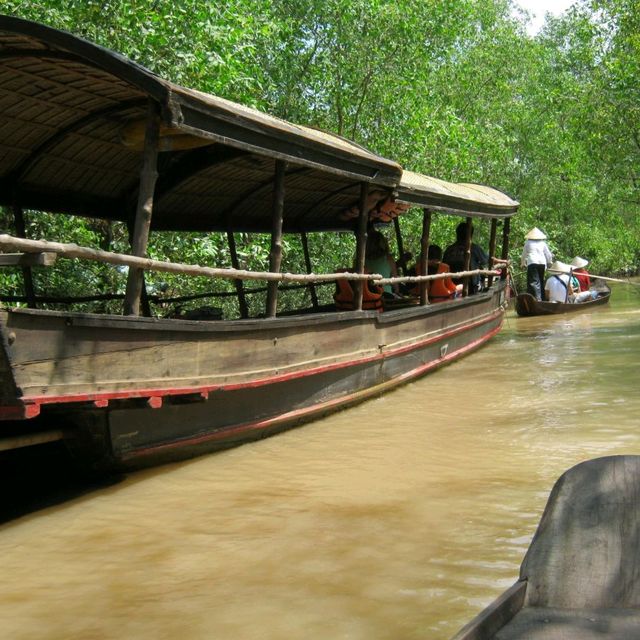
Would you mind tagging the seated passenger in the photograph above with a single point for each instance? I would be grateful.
(560, 286)
(403, 263)
(454, 256)
(345, 295)
(581, 274)
(405, 268)
(443, 288)
(378, 259)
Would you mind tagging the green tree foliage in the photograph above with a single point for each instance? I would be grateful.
(458, 90)
(577, 143)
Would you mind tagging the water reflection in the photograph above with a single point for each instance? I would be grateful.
(400, 518)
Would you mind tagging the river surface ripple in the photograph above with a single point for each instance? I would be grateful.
(398, 519)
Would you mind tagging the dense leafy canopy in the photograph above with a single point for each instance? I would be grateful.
(458, 90)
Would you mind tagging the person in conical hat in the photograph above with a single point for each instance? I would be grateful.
(535, 234)
(559, 267)
(561, 286)
(558, 287)
(578, 263)
(581, 273)
(535, 257)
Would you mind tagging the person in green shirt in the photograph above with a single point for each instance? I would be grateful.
(378, 259)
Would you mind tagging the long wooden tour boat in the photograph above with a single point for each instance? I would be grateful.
(86, 132)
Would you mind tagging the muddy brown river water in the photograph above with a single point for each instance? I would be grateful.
(398, 519)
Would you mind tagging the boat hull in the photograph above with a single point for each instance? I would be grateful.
(132, 392)
(527, 305)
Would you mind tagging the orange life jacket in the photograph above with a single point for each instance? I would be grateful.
(344, 295)
(437, 290)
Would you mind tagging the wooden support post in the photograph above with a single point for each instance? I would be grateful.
(148, 177)
(27, 274)
(307, 262)
(506, 230)
(361, 244)
(275, 256)
(144, 296)
(235, 263)
(492, 247)
(400, 245)
(467, 257)
(424, 251)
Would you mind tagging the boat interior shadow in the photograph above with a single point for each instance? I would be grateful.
(36, 478)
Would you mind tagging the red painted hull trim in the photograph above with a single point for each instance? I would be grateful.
(30, 405)
(308, 412)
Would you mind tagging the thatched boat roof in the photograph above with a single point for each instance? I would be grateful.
(72, 118)
(472, 200)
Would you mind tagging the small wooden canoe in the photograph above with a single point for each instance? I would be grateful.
(579, 579)
(527, 305)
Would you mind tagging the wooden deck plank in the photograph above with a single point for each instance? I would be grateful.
(543, 623)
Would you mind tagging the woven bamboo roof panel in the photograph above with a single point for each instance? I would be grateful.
(72, 120)
(472, 200)
(72, 123)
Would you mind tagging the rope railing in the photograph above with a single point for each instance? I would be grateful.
(72, 250)
(438, 276)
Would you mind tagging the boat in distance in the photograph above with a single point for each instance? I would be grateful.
(579, 577)
(527, 305)
(122, 145)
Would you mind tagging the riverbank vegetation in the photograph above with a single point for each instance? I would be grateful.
(458, 90)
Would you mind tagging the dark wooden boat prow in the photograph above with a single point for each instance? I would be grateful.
(579, 578)
(527, 305)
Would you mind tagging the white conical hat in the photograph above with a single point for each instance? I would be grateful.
(578, 262)
(535, 234)
(559, 267)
